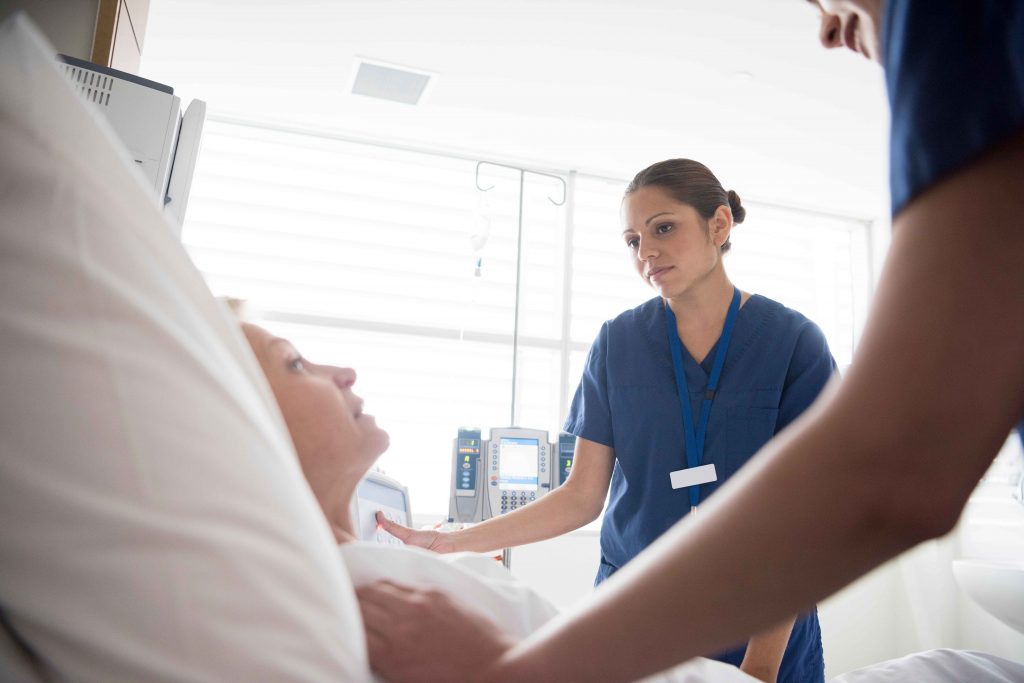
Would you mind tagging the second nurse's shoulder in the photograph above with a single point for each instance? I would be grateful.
(771, 322)
(768, 312)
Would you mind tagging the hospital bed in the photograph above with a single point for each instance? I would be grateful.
(154, 521)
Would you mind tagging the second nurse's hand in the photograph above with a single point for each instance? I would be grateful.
(409, 635)
(437, 541)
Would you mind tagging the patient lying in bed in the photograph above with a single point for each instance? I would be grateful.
(337, 442)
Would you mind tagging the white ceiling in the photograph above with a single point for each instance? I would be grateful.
(600, 86)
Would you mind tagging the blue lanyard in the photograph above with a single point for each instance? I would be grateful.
(695, 438)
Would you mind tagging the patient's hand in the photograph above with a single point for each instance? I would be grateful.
(422, 636)
(436, 541)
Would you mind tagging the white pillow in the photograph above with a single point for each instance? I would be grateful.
(154, 522)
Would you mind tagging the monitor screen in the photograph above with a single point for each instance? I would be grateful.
(517, 468)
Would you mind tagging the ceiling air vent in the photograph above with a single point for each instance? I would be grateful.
(385, 82)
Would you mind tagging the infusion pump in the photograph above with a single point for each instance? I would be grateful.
(511, 469)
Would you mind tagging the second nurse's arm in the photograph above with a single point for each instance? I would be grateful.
(573, 504)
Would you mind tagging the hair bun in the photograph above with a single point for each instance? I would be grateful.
(738, 212)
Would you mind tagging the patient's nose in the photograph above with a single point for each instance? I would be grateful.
(344, 377)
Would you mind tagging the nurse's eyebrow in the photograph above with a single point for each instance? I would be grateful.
(663, 213)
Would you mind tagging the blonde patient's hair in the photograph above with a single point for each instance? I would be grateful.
(237, 306)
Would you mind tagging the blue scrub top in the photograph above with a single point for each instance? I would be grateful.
(777, 364)
(955, 76)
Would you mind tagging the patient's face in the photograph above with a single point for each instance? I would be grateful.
(336, 441)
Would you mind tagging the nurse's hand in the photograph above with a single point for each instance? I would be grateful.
(422, 636)
(436, 541)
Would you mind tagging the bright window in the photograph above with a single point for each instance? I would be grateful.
(391, 261)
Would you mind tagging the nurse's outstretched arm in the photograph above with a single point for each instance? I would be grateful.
(576, 502)
(884, 460)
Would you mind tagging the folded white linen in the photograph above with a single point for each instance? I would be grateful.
(942, 665)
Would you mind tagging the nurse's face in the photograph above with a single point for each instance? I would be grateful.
(672, 247)
(335, 440)
(854, 24)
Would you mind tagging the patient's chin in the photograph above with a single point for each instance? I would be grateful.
(374, 443)
(380, 438)
(384, 441)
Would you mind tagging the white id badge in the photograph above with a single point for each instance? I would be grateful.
(693, 476)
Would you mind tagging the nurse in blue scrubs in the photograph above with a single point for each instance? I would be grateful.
(682, 390)
(677, 394)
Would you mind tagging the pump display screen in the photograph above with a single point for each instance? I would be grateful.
(517, 468)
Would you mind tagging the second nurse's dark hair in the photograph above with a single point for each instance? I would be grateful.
(692, 183)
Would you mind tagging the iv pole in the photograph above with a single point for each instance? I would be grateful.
(506, 553)
(519, 257)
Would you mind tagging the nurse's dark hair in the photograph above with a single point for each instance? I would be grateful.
(692, 183)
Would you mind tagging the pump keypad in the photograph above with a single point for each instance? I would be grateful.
(384, 537)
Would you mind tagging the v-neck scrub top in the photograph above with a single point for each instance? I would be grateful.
(776, 365)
